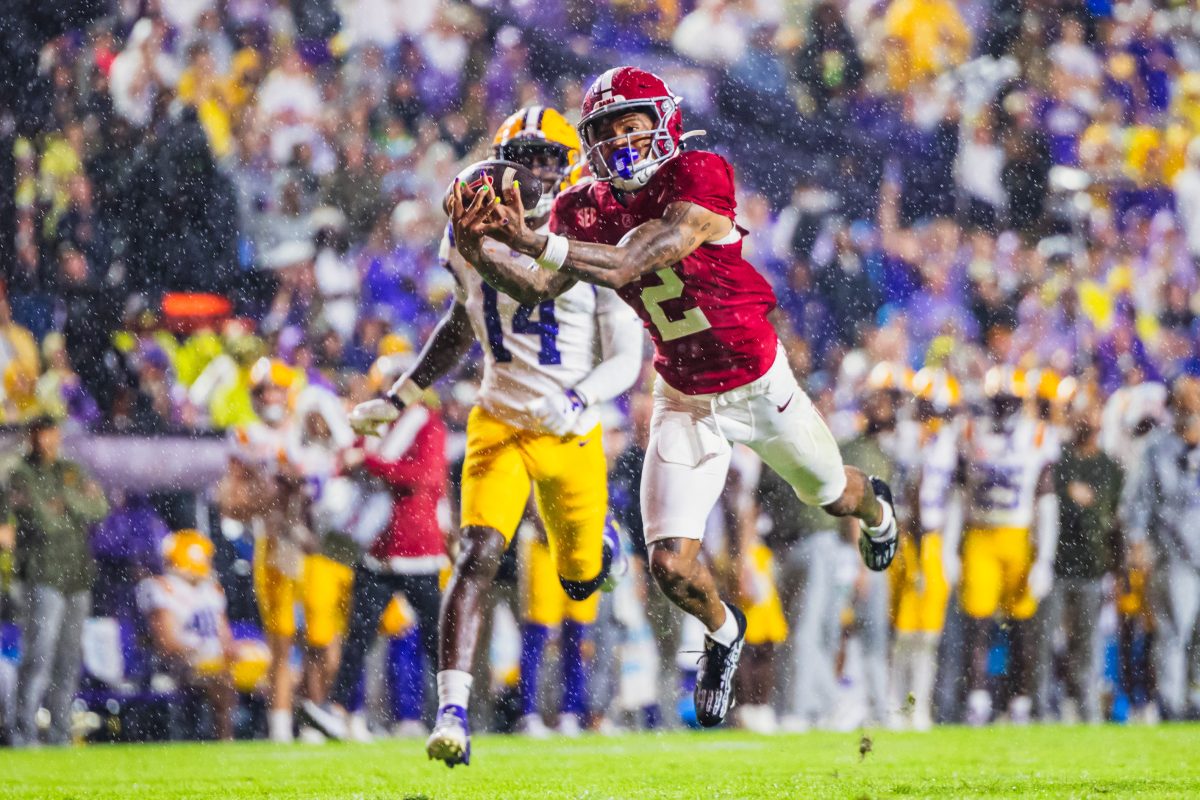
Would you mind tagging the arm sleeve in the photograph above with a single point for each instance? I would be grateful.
(451, 261)
(621, 339)
(149, 596)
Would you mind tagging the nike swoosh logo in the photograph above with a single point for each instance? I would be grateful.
(584, 442)
(783, 407)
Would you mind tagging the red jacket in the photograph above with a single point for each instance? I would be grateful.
(411, 458)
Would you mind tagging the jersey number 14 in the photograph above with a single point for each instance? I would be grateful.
(545, 327)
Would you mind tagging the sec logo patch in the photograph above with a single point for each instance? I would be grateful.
(585, 217)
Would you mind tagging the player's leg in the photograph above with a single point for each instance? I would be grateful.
(931, 620)
(766, 631)
(326, 601)
(495, 488)
(980, 597)
(778, 420)
(570, 477)
(275, 593)
(370, 595)
(543, 603)
(1020, 606)
(579, 619)
(687, 461)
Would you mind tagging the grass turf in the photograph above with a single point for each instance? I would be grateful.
(949, 762)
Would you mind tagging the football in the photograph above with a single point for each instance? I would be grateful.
(500, 175)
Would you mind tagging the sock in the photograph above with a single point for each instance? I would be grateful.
(405, 668)
(533, 644)
(279, 724)
(727, 633)
(574, 673)
(454, 688)
(874, 532)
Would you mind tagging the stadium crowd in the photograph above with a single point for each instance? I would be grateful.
(226, 218)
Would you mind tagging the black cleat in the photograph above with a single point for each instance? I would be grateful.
(714, 683)
(878, 551)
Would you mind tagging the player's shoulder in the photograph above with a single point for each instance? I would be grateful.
(699, 163)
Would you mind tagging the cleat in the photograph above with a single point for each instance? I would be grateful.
(618, 564)
(326, 719)
(450, 741)
(714, 683)
(879, 550)
(568, 726)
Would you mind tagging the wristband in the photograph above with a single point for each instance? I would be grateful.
(555, 253)
(577, 400)
(404, 392)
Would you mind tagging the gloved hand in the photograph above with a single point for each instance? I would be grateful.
(1041, 579)
(367, 418)
(559, 413)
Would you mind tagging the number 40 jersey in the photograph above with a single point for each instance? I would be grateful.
(708, 313)
(531, 352)
(1002, 471)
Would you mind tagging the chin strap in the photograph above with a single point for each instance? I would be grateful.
(692, 134)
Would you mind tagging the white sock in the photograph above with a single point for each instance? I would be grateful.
(454, 688)
(727, 633)
(875, 531)
(279, 725)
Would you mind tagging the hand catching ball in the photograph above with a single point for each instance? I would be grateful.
(499, 176)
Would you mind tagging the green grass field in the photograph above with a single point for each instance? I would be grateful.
(1047, 761)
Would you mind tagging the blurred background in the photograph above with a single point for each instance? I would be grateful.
(210, 207)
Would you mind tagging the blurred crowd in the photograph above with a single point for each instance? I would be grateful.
(221, 206)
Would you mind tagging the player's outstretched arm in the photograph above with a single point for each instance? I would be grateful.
(651, 246)
(509, 275)
(444, 350)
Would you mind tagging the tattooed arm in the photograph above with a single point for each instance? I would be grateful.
(649, 247)
(527, 286)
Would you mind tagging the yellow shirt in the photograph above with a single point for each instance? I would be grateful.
(933, 33)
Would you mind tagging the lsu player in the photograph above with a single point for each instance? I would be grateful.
(534, 420)
(185, 617)
(657, 224)
(1010, 537)
(919, 586)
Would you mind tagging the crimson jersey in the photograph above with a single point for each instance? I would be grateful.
(708, 313)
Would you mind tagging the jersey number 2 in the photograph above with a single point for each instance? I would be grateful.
(545, 326)
(693, 320)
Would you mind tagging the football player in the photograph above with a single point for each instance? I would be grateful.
(919, 587)
(1010, 538)
(657, 225)
(185, 618)
(535, 419)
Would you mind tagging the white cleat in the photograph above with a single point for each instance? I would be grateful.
(450, 741)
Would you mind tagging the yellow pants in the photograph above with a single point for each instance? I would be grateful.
(919, 588)
(765, 622)
(570, 479)
(545, 602)
(323, 591)
(995, 573)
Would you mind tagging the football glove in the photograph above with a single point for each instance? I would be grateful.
(559, 413)
(367, 418)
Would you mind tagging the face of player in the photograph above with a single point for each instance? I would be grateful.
(270, 404)
(631, 130)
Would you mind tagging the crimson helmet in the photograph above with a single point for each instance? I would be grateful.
(620, 90)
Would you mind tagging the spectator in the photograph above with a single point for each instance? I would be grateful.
(54, 502)
(933, 38)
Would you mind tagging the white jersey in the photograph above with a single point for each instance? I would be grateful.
(937, 455)
(531, 352)
(1002, 471)
(197, 611)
